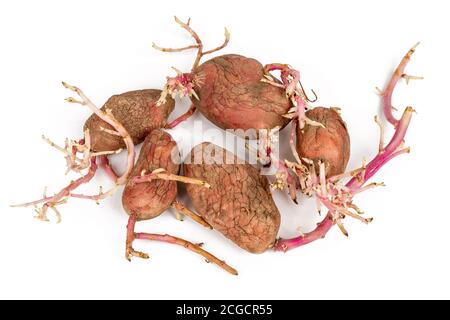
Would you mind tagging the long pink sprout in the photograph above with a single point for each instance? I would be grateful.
(132, 235)
(88, 160)
(359, 179)
(387, 93)
(61, 196)
(106, 166)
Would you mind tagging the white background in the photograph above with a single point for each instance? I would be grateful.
(343, 49)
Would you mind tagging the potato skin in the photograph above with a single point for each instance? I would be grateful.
(330, 144)
(239, 203)
(232, 95)
(136, 111)
(148, 200)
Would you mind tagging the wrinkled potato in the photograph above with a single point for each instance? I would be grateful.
(232, 96)
(136, 111)
(148, 200)
(239, 203)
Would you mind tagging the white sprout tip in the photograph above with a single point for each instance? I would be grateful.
(415, 46)
(379, 91)
(195, 95)
(178, 71)
(68, 86)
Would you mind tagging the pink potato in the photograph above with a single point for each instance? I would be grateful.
(232, 96)
(152, 188)
(136, 111)
(239, 203)
(229, 90)
(329, 144)
(148, 200)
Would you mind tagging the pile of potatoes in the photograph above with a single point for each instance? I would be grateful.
(235, 199)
